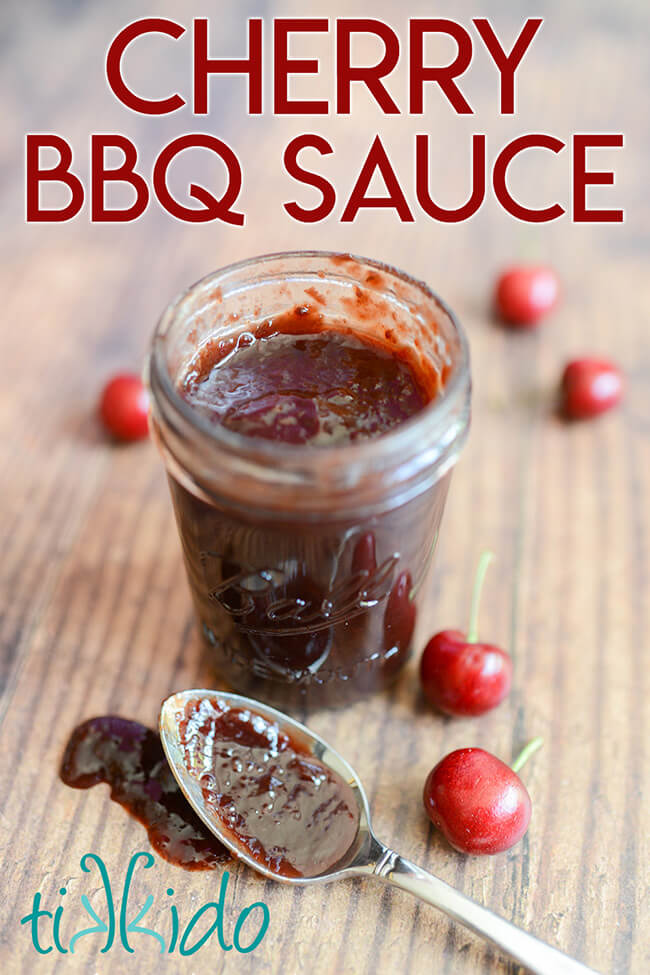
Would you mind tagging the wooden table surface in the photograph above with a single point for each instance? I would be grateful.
(95, 616)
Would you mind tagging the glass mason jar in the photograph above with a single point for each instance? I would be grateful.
(307, 564)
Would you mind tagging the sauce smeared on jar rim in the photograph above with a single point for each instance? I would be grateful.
(293, 814)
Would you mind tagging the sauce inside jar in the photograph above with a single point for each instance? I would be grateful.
(294, 381)
(292, 813)
(319, 609)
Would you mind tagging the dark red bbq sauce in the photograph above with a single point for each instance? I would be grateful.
(293, 381)
(312, 611)
(129, 757)
(293, 814)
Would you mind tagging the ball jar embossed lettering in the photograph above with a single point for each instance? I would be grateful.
(307, 565)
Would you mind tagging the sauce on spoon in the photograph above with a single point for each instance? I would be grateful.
(292, 813)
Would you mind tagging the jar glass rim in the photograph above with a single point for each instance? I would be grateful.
(291, 456)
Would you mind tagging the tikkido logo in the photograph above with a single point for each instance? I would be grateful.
(187, 939)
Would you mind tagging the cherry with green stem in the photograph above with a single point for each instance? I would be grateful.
(477, 801)
(460, 675)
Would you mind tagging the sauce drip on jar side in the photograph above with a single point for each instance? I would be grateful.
(129, 757)
(296, 381)
(292, 813)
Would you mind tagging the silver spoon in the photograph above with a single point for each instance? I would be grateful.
(366, 856)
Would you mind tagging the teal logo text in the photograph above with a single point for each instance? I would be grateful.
(123, 926)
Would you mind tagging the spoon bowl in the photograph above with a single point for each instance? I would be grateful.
(365, 855)
(359, 856)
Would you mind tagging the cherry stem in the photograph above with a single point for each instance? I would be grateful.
(484, 561)
(526, 752)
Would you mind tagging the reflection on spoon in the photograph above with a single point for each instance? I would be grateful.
(292, 808)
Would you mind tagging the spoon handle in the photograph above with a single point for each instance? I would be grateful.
(538, 957)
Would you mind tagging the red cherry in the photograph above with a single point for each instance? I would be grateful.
(364, 556)
(399, 618)
(524, 294)
(477, 801)
(589, 387)
(124, 407)
(461, 676)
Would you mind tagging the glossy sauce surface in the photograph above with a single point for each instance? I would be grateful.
(293, 814)
(129, 757)
(295, 382)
